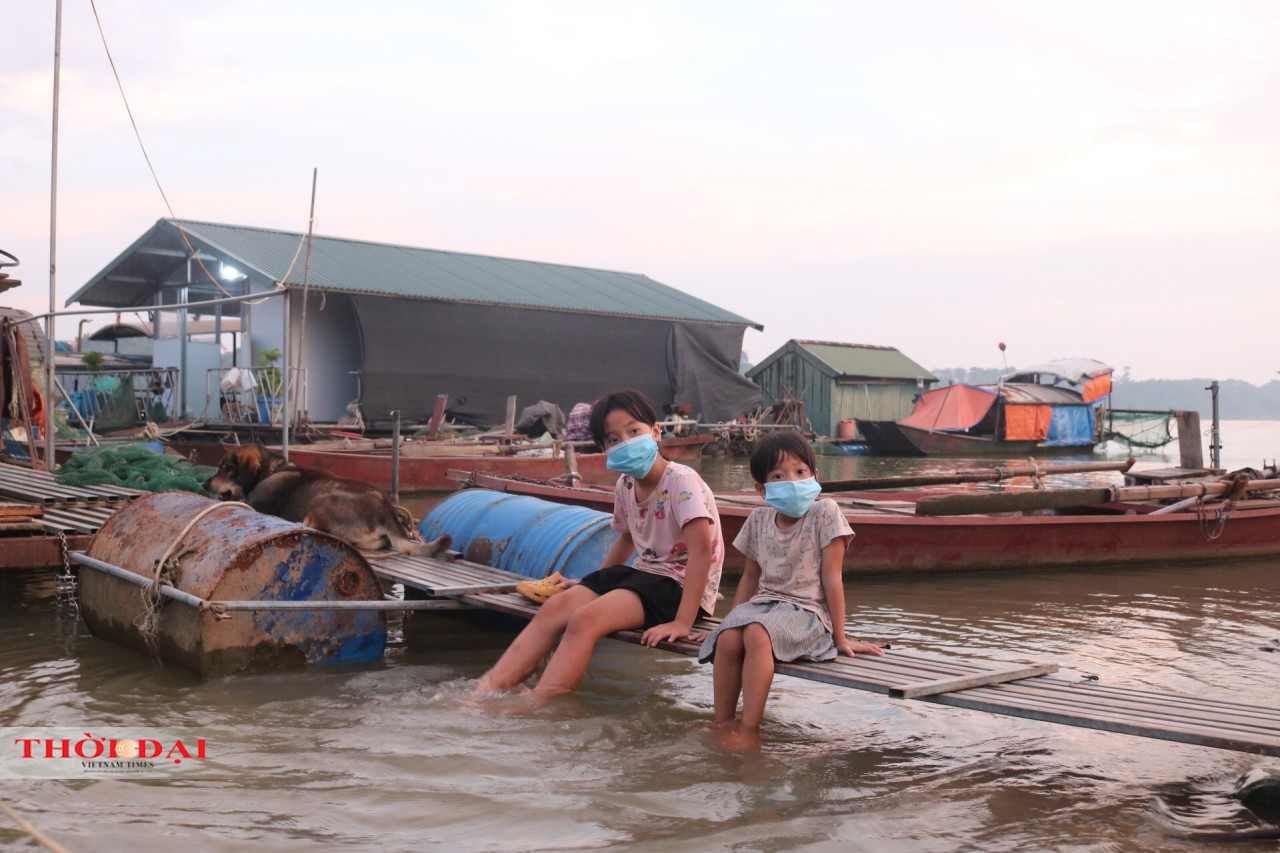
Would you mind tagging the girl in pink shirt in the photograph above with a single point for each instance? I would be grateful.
(666, 516)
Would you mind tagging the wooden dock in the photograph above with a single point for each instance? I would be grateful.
(1030, 691)
(68, 516)
(57, 513)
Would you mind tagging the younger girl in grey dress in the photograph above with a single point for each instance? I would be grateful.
(790, 601)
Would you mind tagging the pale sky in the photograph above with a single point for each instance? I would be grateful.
(1075, 179)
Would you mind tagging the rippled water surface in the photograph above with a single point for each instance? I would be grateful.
(393, 757)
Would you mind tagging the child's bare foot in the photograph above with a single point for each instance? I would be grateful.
(740, 740)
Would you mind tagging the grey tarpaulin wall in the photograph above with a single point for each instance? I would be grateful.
(480, 354)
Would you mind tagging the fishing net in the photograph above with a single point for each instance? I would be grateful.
(1139, 429)
(134, 466)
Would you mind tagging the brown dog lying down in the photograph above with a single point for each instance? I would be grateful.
(349, 509)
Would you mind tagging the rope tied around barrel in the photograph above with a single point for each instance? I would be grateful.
(148, 623)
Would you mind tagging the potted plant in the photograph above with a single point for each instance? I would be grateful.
(92, 361)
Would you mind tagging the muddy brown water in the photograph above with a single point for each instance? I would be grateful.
(392, 757)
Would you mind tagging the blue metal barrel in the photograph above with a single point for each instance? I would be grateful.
(521, 534)
(231, 553)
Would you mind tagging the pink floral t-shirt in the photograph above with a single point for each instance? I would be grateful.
(657, 525)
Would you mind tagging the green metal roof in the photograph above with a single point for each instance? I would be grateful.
(362, 267)
(855, 360)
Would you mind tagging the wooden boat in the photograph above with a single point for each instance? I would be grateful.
(1049, 408)
(890, 537)
(682, 448)
(424, 464)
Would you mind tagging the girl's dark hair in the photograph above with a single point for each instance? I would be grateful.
(770, 450)
(630, 401)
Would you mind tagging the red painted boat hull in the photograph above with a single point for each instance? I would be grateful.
(427, 473)
(888, 438)
(901, 543)
(420, 473)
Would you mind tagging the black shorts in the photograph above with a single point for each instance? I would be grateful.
(659, 595)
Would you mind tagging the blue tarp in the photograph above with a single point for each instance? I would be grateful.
(1071, 426)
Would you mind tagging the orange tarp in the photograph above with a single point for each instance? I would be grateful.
(953, 407)
(1027, 423)
(1099, 386)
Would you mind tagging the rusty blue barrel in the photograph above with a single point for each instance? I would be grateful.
(522, 534)
(230, 553)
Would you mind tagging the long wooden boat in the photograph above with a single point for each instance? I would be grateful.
(891, 538)
(424, 465)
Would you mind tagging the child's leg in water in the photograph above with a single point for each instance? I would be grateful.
(536, 641)
(757, 674)
(617, 610)
(726, 675)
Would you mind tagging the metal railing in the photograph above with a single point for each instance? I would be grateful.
(252, 395)
(118, 399)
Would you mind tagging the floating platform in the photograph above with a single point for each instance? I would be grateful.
(1030, 691)
(61, 514)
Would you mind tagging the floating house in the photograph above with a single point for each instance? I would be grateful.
(384, 327)
(842, 382)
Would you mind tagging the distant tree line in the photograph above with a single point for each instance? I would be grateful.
(1237, 399)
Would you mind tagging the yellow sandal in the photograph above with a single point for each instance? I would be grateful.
(540, 591)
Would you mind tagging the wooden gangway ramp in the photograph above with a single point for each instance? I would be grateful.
(64, 509)
(1030, 691)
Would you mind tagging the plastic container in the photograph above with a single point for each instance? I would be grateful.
(522, 534)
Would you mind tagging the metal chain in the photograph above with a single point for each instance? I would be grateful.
(65, 584)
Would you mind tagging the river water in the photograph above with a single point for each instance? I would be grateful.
(392, 757)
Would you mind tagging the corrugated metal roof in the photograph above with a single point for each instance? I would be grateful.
(362, 267)
(865, 360)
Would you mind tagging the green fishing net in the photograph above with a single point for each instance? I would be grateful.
(1139, 429)
(134, 466)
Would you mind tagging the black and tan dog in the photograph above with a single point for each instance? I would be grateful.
(349, 509)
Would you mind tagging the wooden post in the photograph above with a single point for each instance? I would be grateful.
(509, 433)
(1190, 447)
(571, 464)
(437, 415)
(395, 456)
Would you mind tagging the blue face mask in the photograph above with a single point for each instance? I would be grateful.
(635, 456)
(792, 497)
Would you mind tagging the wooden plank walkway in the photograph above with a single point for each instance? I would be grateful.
(1027, 691)
(41, 487)
(68, 518)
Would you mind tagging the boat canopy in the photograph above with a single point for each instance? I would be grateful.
(1092, 376)
(951, 408)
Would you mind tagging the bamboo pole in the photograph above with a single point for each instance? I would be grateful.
(976, 475)
(1059, 498)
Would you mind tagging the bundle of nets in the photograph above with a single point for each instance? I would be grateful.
(134, 466)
